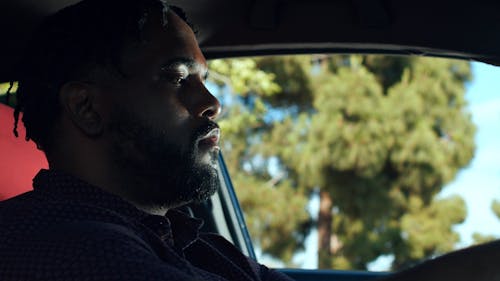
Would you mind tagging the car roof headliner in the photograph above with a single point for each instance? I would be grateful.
(227, 28)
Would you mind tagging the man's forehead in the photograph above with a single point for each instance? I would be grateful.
(170, 46)
(185, 49)
(155, 21)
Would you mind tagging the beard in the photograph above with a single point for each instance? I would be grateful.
(158, 171)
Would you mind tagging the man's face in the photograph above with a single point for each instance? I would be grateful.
(160, 128)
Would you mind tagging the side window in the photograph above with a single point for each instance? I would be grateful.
(20, 160)
(362, 162)
(8, 99)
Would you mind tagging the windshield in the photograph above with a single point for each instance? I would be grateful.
(361, 161)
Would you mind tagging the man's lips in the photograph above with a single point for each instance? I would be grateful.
(211, 139)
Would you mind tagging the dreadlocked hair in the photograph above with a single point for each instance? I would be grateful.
(68, 46)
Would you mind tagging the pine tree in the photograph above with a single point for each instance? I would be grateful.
(377, 136)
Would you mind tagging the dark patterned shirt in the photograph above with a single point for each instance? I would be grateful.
(66, 229)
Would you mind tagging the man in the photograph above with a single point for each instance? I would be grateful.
(113, 93)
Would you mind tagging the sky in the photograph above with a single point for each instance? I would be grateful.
(479, 183)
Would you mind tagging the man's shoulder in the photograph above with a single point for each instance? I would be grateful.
(91, 234)
(30, 214)
(19, 209)
(84, 249)
(40, 236)
(80, 248)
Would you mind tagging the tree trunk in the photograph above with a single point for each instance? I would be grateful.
(324, 230)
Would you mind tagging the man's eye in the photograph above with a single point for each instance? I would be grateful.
(175, 78)
(178, 80)
(175, 75)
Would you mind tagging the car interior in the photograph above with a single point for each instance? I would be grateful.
(464, 30)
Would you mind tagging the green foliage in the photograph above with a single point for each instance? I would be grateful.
(382, 135)
(426, 229)
(274, 208)
(291, 74)
(495, 207)
(243, 76)
(481, 238)
(274, 214)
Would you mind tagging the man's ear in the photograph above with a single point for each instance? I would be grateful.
(80, 101)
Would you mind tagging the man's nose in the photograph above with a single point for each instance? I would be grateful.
(206, 104)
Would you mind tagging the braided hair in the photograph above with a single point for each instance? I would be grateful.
(69, 45)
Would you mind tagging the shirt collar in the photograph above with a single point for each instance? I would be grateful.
(185, 229)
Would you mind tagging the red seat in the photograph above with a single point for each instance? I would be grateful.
(19, 160)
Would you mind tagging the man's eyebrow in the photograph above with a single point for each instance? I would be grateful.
(189, 62)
